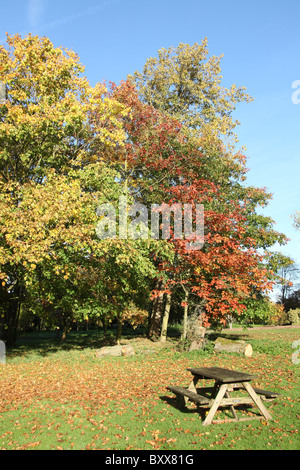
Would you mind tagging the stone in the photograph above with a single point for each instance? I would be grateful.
(198, 331)
(127, 351)
(238, 346)
(115, 351)
(197, 344)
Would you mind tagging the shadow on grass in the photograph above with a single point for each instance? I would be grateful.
(224, 411)
(213, 335)
(174, 403)
(47, 343)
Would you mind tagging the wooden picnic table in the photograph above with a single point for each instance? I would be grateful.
(225, 382)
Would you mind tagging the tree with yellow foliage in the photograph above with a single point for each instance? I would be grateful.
(48, 134)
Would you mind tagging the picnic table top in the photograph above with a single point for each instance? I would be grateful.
(221, 375)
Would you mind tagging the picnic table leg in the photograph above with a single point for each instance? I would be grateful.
(227, 394)
(192, 386)
(181, 401)
(215, 405)
(257, 400)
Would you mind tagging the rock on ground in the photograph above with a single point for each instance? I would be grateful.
(223, 344)
(116, 351)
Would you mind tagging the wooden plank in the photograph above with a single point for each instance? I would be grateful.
(192, 386)
(215, 405)
(227, 394)
(221, 375)
(257, 401)
(266, 393)
(229, 401)
(205, 390)
(228, 420)
(189, 394)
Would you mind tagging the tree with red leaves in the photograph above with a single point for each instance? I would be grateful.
(160, 164)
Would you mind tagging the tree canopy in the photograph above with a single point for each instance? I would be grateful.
(162, 137)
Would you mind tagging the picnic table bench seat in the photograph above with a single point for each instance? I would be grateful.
(195, 397)
(266, 394)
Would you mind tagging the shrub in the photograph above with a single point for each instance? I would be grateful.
(294, 316)
(262, 311)
(278, 315)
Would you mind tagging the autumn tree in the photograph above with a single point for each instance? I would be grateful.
(62, 144)
(164, 166)
(46, 129)
(47, 120)
(67, 147)
(185, 84)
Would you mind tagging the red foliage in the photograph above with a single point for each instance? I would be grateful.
(166, 165)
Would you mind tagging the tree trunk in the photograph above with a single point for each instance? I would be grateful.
(185, 315)
(14, 306)
(230, 321)
(165, 321)
(64, 333)
(157, 312)
(119, 329)
(105, 326)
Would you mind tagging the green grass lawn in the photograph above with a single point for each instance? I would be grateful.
(60, 396)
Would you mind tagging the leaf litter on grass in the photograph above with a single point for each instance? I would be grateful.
(122, 403)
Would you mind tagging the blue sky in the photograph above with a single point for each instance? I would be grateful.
(260, 41)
